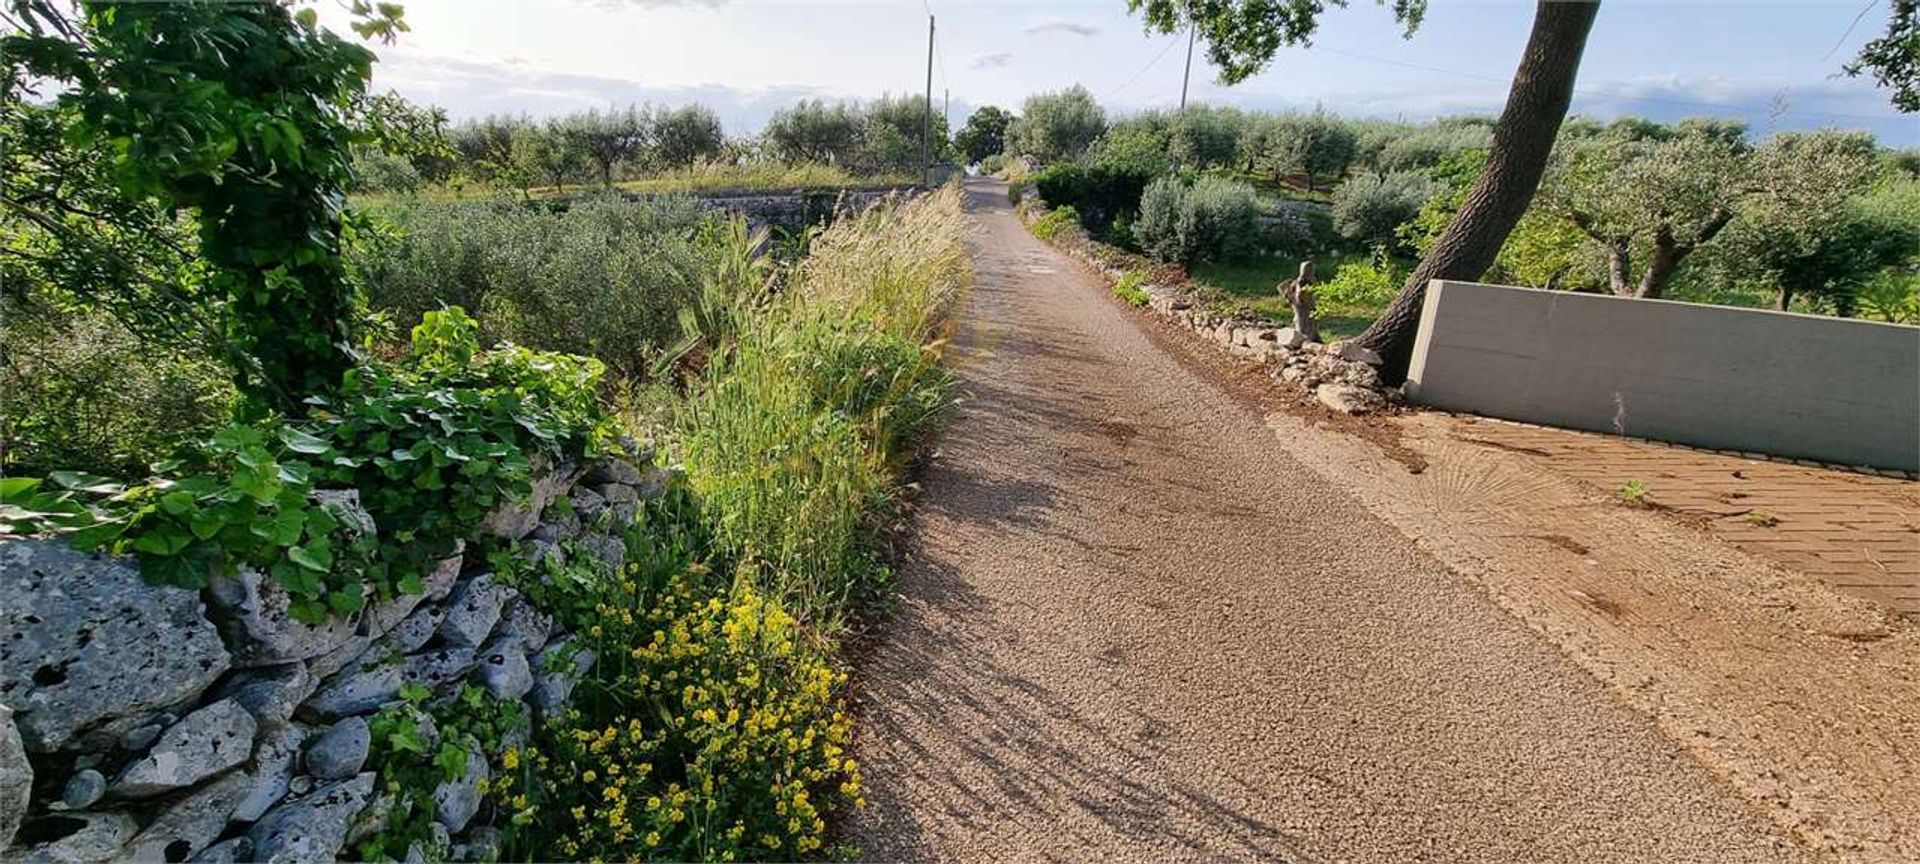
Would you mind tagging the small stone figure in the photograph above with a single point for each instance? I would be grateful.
(1299, 294)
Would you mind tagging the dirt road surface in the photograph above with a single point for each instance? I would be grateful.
(1132, 628)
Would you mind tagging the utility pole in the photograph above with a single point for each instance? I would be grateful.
(926, 121)
(1189, 73)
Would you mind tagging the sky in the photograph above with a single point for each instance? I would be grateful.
(1772, 64)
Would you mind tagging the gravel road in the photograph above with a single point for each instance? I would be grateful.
(1132, 628)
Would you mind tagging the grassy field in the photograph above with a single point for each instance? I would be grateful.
(1251, 285)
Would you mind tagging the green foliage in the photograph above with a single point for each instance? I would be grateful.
(1136, 147)
(417, 745)
(985, 135)
(432, 443)
(795, 431)
(1242, 35)
(1358, 286)
(1212, 220)
(259, 149)
(1060, 125)
(1316, 146)
(1894, 57)
(1048, 227)
(80, 392)
(710, 729)
(1370, 208)
(605, 277)
(1129, 288)
(815, 131)
(607, 140)
(1204, 137)
(686, 135)
(1098, 193)
(890, 139)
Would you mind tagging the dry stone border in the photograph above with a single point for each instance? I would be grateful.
(1342, 376)
(161, 724)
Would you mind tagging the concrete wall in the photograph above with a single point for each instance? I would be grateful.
(1803, 386)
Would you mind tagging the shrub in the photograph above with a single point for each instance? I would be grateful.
(1099, 194)
(1049, 226)
(1212, 220)
(78, 392)
(1370, 208)
(1128, 288)
(605, 277)
(993, 164)
(1358, 286)
(711, 729)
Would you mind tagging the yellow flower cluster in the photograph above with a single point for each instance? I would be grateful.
(709, 731)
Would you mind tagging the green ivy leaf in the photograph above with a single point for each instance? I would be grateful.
(303, 442)
(317, 555)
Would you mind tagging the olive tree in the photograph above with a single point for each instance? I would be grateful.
(1061, 125)
(1639, 188)
(814, 131)
(985, 133)
(1242, 36)
(682, 136)
(1317, 146)
(1204, 136)
(608, 140)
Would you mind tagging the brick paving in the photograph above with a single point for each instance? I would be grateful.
(1859, 533)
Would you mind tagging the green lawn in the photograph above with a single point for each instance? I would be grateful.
(1251, 286)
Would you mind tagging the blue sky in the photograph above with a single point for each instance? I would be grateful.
(1774, 65)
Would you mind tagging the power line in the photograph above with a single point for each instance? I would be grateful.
(1596, 94)
(1143, 69)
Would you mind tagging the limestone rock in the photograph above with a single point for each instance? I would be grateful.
(414, 630)
(271, 771)
(482, 844)
(16, 778)
(192, 823)
(457, 801)
(436, 669)
(238, 850)
(525, 625)
(504, 671)
(1288, 337)
(559, 668)
(514, 520)
(587, 504)
(88, 642)
(254, 612)
(473, 610)
(350, 653)
(204, 743)
(611, 469)
(1349, 399)
(1354, 352)
(340, 751)
(313, 827)
(383, 615)
(352, 693)
(611, 552)
(79, 838)
(270, 693)
(141, 737)
(83, 790)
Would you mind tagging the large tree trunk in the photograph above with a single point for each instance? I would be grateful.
(1668, 253)
(1522, 140)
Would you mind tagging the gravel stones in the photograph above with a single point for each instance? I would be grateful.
(88, 641)
(83, 789)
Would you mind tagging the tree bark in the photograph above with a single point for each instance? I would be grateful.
(1522, 140)
(1620, 268)
(1668, 253)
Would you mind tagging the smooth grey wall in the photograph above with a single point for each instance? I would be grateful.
(1835, 390)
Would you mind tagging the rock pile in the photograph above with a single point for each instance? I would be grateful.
(148, 722)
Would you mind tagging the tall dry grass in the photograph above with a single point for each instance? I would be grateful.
(798, 431)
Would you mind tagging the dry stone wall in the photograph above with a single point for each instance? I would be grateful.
(1343, 376)
(153, 723)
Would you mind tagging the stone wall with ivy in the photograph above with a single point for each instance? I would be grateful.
(164, 723)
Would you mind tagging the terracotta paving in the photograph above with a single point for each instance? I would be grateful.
(1859, 533)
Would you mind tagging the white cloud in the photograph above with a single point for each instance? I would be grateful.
(995, 60)
(1063, 26)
